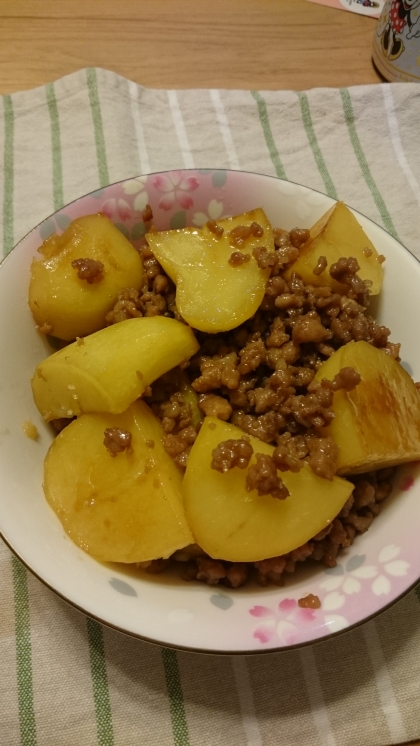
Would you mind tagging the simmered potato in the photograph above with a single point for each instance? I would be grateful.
(338, 234)
(213, 295)
(377, 424)
(232, 524)
(111, 368)
(126, 508)
(63, 303)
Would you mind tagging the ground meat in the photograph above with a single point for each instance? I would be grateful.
(238, 258)
(217, 372)
(346, 379)
(174, 413)
(277, 336)
(290, 451)
(147, 214)
(257, 230)
(299, 236)
(237, 574)
(251, 356)
(321, 266)
(308, 328)
(153, 304)
(310, 411)
(275, 287)
(323, 455)
(345, 271)
(213, 572)
(210, 571)
(363, 494)
(60, 423)
(154, 567)
(265, 427)
(285, 462)
(309, 602)
(270, 570)
(264, 257)
(88, 269)
(178, 446)
(215, 406)
(215, 228)
(160, 284)
(231, 453)
(126, 307)
(117, 440)
(360, 522)
(239, 235)
(263, 477)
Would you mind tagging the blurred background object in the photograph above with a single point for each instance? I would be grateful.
(396, 42)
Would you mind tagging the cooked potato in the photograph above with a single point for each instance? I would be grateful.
(213, 295)
(232, 524)
(377, 424)
(67, 306)
(338, 234)
(126, 508)
(111, 368)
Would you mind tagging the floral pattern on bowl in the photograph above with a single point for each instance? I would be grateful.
(379, 567)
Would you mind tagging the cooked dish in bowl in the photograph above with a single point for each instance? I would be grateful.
(372, 572)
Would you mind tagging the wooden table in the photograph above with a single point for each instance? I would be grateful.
(252, 44)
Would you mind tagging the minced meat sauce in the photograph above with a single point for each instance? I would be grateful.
(260, 377)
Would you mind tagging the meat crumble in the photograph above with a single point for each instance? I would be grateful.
(90, 270)
(263, 477)
(117, 440)
(231, 453)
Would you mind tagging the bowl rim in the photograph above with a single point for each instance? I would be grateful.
(145, 638)
(212, 651)
(203, 171)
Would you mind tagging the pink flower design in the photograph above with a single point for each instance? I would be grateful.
(175, 186)
(285, 621)
(116, 208)
(407, 483)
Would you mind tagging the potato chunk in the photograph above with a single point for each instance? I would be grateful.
(232, 524)
(338, 234)
(126, 508)
(212, 294)
(111, 368)
(376, 424)
(60, 299)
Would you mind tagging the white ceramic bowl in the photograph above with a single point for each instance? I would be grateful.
(379, 567)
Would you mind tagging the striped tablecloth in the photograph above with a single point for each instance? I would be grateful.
(65, 680)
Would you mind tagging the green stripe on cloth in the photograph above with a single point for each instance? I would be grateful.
(357, 147)
(57, 167)
(104, 725)
(23, 655)
(176, 699)
(97, 126)
(266, 128)
(100, 683)
(8, 157)
(313, 142)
